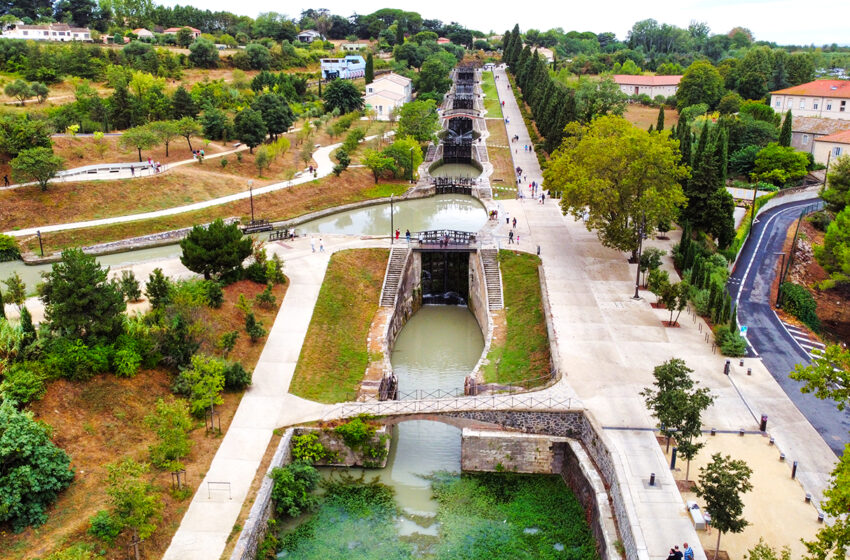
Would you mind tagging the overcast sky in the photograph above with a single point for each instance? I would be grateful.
(783, 21)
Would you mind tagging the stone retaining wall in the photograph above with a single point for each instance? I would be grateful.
(344, 456)
(492, 451)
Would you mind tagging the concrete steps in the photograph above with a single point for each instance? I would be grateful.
(493, 278)
(395, 266)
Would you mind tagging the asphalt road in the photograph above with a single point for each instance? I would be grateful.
(750, 285)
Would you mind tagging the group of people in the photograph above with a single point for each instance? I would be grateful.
(321, 245)
(676, 554)
(198, 155)
(494, 214)
(154, 165)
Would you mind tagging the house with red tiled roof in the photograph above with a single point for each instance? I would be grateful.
(805, 130)
(652, 86)
(829, 99)
(829, 147)
(173, 31)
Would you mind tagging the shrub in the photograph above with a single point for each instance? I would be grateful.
(729, 342)
(254, 328)
(213, 293)
(293, 487)
(236, 377)
(202, 383)
(8, 248)
(22, 383)
(129, 286)
(797, 301)
(266, 299)
(306, 448)
(274, 270)
(77, 361)
(172, 424)
(821, 220)
(126, 361)
(256, 272)
(227, 341)
(104, 526)
(355, 432)
(701, 302)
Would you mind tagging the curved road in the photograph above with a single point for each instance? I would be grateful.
(749, 285)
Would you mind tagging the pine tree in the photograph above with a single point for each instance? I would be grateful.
(370, 69)
(660, 125)
(785, 134)
(182, 104)
(27, 328)
(119, 108)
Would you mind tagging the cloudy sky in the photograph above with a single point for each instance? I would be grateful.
(783, 21)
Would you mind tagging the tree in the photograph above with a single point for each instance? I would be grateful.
(275, 111)
(598, 98)
(262, 160)
(188, 127)
(158, 289)
(419, 120)
(254, 328)
(779, 165)
(165, 131)
(828, 376)
(293, 488)
(434, 74)
(215, 250)
(20, 90)
(36, 164)
(701, 83)
(250, 128)
(625, 178)
(33, 471)
(785, 133)
(40, 91)
(171, 423)
(129, 286)
(378, 163)
(16, 290)
(184, 37)
(80, 303)
(730, 103)
(182, 104)
(721, 484)
(370, 69)
(342, 95)
(659, 125)
(134, 499)
(139, 137)
(406, 154)
(203, 53)
(837, 191)
(650, 259)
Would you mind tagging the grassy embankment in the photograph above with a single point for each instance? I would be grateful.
(334, 355)
(101, 420)
(491, 97)
(521, 354)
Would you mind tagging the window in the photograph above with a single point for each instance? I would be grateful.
(802, 104)
(778, 103)
(26, 32)
(842, 106)
(836, 151)
(805, 139)
(829, 106)
(815, 105)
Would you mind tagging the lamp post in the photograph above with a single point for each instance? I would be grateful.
(640, 248)
(251, 196)
(392, 222)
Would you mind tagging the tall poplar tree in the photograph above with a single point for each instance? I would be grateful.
(785, 133)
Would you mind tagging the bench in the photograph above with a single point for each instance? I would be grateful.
(696, 515)
(257, 226)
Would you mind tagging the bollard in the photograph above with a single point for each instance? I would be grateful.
(673, 458)
(772, 441)
(727, 367)
(820, 518)
(538, 250)
(763, 424)
(741, 432)
(782, 456)
(749, 371)
(741, 363)
(808, 498)
(652, 479)
(794, 470)
(714, 431)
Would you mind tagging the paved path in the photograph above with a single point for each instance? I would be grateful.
(324, 167)
(750, 287)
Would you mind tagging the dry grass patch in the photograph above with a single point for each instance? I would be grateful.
(335, 354)
(102, 420)
(642, 116)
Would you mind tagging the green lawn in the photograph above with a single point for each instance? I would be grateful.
(335, 354)
(524, 353)
(491, 98)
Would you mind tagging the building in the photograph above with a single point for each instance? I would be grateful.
(173, 31)
(829, 147)
(443, 41)
(387, 93)
(48, 32)
(805, 130)
(829, 99)
(309, 36)
(349, 67)
(353, 47)
(652, 86)
(143, 33)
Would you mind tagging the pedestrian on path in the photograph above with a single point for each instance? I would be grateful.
(517, 239)
(671, 555)
(507, 218)
(511, 236)
(514, 222)
(312, 244)
(397, 233)
(132, 171)
(6, 180)
(707, 518)
(689, 552)
(677, 553)
(407, 235)
(321, 245)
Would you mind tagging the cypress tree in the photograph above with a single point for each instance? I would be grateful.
(370, 69)
(696, 269)
(399, 34)
(506, 41)
(516, 48)
(689, 257)
(2, 307)
(521, 66)
(685, 146)
(706, 278)
(785, 134)
(27, 328)
(703, 141)
(733, 320)
(712, 300)
(727, 308)
(659, 126)
(650, 129)
(723, 155)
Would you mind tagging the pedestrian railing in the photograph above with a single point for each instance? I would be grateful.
(425, 406)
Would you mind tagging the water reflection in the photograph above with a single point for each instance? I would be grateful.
(455, 170)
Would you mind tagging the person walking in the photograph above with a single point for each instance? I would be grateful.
(407, 235)
(689, 552)
(677, 553)
(707, 518)
(507, 218)
(511, 236)
(321, 245)
(514, 222)
(5, 180)
(397, 233)
(132, 170)
(312, 244)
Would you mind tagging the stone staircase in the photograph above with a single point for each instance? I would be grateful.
(395, 266)
(492, 277)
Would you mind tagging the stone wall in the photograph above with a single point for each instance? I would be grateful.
(490, 451)
(344, 456)
(408, 302)
(254, 530)
(478, 303)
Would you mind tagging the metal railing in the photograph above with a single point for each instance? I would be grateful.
(445, 237)
(425, 406)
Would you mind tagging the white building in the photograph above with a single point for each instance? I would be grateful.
(143, 33)
(353, 47)
(827, 148)
(48, 32)
(309, 36)
(173, 31)
(652, 86)
(387, 93)
(829, 99)
(347, 68)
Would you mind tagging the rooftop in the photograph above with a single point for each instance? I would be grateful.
(842, 137)
(628, 80)
(819, 88)
(393, 77)
(817, 125)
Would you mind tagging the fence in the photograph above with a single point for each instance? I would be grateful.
(489, 402)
